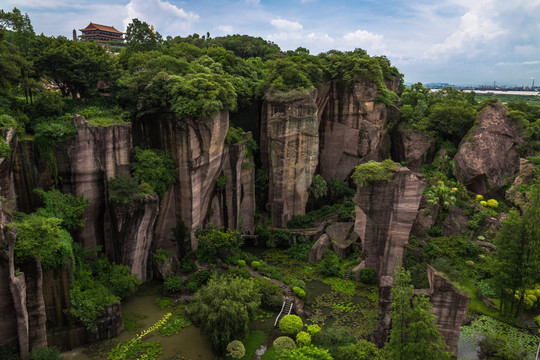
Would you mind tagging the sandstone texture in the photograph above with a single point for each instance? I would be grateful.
(449, 307)
(317, 251)
(352, 127)
(525, 176)
(385, 213)
(291, 153)
(455, 222)
(487, 158)
(412, 147)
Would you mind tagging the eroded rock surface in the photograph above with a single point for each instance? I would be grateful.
(487, 158)
(385, 213)
(353, 127)
(449, 307)
(412, 147)
(291, 153)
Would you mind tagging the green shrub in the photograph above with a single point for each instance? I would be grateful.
(66, 207)
(255, 265)
(241, 272)
(163, 255)
(367, 275)
(236, 350)
(374, 171)
(495, 347)
(300, 251)
(307, 352)
(45, 353)
(314, 330)
(329, 265)
(362, 350)
(299, 283)
(173, 284)
(124, 189)
(492, 203)
(299, 292)
(241, 263)
(217, 242)
(156, 168)
(271, 294)
(291, 324)
(5, 149)
(303, 339)
(197, 280)
(187, 264)
(283, 343)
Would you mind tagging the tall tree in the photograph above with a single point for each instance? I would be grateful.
(225, 306)
(517, 264)
(414, 334)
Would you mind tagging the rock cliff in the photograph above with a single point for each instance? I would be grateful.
(385, 213)
(412, 147)
(352, 127)
(487, 158)
(449, 307)
(290, 150)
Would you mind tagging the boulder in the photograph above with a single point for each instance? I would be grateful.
(455, 222)
(317, 251)
(412, 147)
(343, 238)
(487, 158)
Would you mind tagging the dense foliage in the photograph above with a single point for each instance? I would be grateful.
(224, 307)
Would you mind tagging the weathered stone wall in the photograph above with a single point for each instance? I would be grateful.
(290, 151)
(352, 127)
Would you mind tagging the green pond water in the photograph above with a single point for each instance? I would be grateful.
(188, 342)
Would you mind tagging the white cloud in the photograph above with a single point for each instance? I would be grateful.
(39, 3)
(167, 18)
(534, 62)
(475, 30)
(227, 29)
(286, 25)
(373, 43)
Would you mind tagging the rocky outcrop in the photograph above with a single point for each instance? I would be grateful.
(7, 189)
(319, 247)
(385, 213)
(291, 152)
(133, 234)
(526, 175)
(455, 222)
(449, 307)
(487, 158)
(353, 127)
(233, 205)
(95, 155)
(412, 147)
(197, 146)
(343, 237)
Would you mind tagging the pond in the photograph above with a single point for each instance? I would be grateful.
(142, 308)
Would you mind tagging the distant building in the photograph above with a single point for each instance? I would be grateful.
(102, 33)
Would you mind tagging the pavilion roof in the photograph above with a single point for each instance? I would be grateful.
(93, 26)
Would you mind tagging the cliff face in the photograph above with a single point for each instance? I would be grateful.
(201, 156)
(449, 307)
(385, 213)
(233, 205)
(133, 234)
(413, 148)
(290, 151)
(353, 127)
(86, 164)
(487, 159)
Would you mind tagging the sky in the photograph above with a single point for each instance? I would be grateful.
(461, 42)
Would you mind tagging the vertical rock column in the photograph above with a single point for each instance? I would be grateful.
(291, 148)
(385, 213)
(353, 127)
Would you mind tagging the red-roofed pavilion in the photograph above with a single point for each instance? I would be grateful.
(101, 33)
